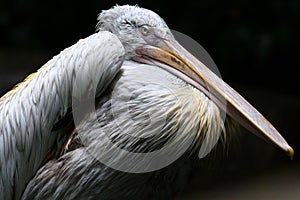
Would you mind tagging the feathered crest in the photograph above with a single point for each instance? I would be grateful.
(107, 17)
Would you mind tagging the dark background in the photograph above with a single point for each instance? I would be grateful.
(255, 45)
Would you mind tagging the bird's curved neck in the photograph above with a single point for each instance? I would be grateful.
(28, 112)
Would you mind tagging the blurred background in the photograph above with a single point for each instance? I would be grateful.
(255, 45)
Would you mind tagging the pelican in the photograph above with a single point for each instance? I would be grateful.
(136, 62)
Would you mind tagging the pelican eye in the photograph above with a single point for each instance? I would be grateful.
(145, 30)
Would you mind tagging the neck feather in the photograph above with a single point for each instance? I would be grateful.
(29, 111)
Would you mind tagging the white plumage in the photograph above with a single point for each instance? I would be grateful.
(43, 157)
(31, 109)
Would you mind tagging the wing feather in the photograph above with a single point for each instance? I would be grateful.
(29, 112)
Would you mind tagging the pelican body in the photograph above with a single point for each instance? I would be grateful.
(144, 77)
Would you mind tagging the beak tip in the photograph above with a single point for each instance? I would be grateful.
(290, 152)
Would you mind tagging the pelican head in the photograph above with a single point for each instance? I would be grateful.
(134, 26)
(147, 39)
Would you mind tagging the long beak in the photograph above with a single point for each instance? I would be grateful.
(173, 57)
